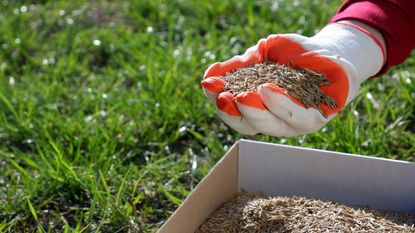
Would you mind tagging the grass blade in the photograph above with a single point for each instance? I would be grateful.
(32, 210)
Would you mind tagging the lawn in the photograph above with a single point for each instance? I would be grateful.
(103, 123)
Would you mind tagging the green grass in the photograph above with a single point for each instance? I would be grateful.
(112, 136)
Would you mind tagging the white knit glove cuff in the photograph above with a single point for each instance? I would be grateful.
(355, 46)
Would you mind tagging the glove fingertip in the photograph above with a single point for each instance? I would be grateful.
(268, 88)
(225, 103)
(251, 99)
(213, 84)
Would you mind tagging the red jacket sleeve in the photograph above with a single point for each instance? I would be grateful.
(395, 19)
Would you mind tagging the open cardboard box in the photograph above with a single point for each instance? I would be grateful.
(279, 170)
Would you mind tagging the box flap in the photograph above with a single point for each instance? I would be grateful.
(350, 179)
(214, 190)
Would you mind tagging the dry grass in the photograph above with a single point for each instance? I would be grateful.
(249, 213)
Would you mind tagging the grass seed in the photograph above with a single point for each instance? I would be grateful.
(250, 213)
(301, 84)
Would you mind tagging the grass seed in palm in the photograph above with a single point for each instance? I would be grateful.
(302, 84)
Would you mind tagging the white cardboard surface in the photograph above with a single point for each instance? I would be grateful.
(355, 180)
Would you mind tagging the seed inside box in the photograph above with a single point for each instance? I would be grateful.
(302, 84)
(251, 213)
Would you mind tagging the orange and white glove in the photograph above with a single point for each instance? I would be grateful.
(346, 54)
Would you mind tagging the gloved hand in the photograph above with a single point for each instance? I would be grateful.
(345, 54)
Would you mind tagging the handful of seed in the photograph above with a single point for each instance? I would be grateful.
(249, 213)
(302, 84)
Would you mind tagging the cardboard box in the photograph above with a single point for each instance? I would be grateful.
(277, 170)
